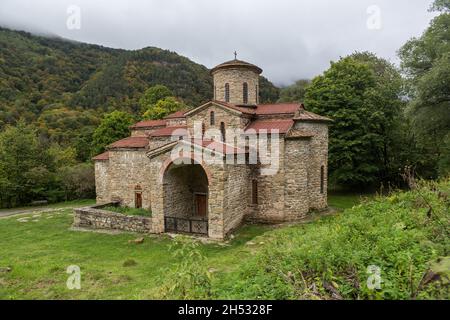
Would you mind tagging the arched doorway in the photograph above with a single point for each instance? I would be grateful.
(185, 199)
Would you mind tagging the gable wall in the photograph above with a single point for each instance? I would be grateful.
(231, 119)
(127, 169)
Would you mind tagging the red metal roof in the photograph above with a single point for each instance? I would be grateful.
(309, 116)
(130, 142)
(279, 108)
(282, 125)
(149, 124)
(169, 131)
(175, 115)
(101, 157)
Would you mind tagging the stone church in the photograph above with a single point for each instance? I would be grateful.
(215, 197)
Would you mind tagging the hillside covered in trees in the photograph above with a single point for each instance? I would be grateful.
(46, 80)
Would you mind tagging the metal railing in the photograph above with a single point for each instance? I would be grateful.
(186, 225)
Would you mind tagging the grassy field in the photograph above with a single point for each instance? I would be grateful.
(38, 249)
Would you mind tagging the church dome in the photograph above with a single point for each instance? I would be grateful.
(236, 64)
(236, 82)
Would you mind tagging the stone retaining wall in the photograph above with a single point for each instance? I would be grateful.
(95, 218)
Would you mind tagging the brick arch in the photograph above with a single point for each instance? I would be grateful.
(169, 161)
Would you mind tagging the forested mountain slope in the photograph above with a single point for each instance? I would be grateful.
(40, 73)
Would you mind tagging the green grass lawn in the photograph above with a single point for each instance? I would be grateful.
(39, 248)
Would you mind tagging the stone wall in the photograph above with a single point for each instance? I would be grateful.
(318, 157)
(176, 122)
(235, 78)
(144, 132)
(229, 118)
(96, 218)
(216, 199)
(156, 142)
(270, 207)
(236, 196)
(102, 181)
(296, 193)
(128, 169)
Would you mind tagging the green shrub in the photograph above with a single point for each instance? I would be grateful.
(403, 234)
(190, 278)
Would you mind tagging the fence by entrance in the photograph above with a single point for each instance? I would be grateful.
(186, 225)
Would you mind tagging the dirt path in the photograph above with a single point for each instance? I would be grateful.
(16, 212)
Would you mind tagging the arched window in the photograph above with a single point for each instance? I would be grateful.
(322, 179)
(227, 92)
(222, 131)
(212, 120)
(245, 93)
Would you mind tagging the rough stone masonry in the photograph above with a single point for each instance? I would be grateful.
(197, 196)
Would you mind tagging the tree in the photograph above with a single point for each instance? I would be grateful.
(441, 5)
(5, 186)
(268, 93)
(152, 95)
(83, 144)
(19, 154)
(426, 64)
(77, 181)
(295, 92)
(61, 157)
(163, 108)
(362, 94)
(113, 127)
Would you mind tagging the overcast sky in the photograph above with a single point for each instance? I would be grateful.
(289, 39)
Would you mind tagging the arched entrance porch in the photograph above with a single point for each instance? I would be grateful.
(185, 198)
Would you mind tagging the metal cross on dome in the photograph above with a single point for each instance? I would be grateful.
(235, 55)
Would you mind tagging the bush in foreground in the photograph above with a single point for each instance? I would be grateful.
(405, 235)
